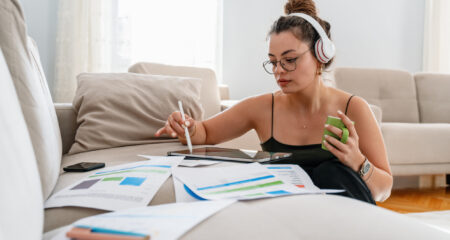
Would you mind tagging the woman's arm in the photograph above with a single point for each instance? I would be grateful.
(231, 123)
(365, 141)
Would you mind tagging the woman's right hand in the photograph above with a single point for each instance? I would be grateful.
(174, 126)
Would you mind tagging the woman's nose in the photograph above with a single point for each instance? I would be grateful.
(278, 68)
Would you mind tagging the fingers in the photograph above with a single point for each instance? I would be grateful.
(332, 149)
(336, 143)
(348, 123)
(175, 122)
(160, 131)
(334, 130)
(175, 125)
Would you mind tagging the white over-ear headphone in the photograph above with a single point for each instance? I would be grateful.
(323, 47)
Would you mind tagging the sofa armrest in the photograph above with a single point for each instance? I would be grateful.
(377, 112)
(224, 91)
(67, 119)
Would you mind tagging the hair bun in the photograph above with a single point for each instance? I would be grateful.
(301, 6)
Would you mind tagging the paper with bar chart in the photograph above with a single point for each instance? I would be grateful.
(293, 174)
(297, 176)
(118, 187)
(243, 181)
(161, 222)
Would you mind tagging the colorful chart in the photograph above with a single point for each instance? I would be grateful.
(85, 184)
(133, 181)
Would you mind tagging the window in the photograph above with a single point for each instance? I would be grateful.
(177, 32)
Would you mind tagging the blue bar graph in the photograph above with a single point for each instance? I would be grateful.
(133, 181)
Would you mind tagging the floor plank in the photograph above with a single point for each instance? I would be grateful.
(418, 200)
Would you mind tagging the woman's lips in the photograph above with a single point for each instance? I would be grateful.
(283, 82)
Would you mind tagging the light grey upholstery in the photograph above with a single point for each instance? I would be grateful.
(416, 115)
(210, 96)
(434, 97)
(392, 90)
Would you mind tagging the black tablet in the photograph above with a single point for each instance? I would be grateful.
(230, 154)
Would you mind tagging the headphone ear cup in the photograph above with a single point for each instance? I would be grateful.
(324, 52)
(318, 47)
(329, 50)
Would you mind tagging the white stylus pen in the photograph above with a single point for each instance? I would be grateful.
(186, 131)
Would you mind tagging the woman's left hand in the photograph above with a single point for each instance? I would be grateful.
(348, 153)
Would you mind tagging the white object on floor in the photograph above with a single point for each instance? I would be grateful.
(437, 219)
(119, 187)
(166, 221)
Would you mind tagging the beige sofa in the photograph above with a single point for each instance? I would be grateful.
(34, 137)
(415, 115)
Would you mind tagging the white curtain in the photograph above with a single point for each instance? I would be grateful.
(110, 35)
(436, 51)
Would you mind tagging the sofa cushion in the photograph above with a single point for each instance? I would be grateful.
(392, 90)
(209, 97)
(305, 217)
(32, 92)
(417, 143)
(310, 217)
(20, 188)
(433, 93)
(56, 217)
(122, 109)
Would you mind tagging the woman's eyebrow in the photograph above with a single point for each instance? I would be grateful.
(284, 53)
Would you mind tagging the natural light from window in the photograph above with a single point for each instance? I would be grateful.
(176, 32)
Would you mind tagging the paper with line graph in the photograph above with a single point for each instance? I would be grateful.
(118, 187)
(293, 174)
(243, 181)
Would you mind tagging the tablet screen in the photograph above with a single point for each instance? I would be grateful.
(230, 154)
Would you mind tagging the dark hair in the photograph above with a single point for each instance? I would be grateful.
(301, 28)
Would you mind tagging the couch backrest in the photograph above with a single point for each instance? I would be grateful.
(392, 90)
(433, 94)
(209, 97)
(34, 97)
(21, 207)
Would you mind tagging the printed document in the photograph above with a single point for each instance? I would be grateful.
(119, 187)
(243, 181)
(293, 174)
(289, 173)
(183, 193)
(161, 222)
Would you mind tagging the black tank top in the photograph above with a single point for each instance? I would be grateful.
(304, 155)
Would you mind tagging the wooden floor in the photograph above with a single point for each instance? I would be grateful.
(418, 200)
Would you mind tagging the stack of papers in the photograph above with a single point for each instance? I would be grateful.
(120, 187)
(243, 182)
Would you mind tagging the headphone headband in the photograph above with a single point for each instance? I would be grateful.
(314, 23)
(324, 47)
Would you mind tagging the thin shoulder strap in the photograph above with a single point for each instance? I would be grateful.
(348, 102)
(271, 129)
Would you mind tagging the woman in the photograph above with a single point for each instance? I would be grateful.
(293, 118)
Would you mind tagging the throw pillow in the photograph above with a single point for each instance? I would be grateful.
(122, 109)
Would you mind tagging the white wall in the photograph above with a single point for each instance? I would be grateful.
(376, 34)
(41, 17)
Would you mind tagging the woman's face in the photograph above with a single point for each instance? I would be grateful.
(300, 65)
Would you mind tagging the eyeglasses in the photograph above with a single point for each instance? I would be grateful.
(288, 64)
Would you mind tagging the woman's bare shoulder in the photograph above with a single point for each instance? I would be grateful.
(256, 102)
(354, 104)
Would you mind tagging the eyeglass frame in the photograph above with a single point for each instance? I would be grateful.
(281, 64)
